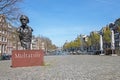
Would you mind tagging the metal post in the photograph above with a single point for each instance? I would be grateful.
(101, 44)
(112, 43)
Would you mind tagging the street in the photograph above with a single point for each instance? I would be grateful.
(66, 67)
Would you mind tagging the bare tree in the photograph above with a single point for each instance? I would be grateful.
(48, 45)
(10, 9)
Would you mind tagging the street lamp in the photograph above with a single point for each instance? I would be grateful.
(112, 41)
(112, 28)
(101, 42)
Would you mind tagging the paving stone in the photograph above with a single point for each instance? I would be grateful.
(67, 67)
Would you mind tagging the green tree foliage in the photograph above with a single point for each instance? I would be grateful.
(107, 35)
(95, 38)
(77, 42)
(73, 44)
(67, 45)
(88, 42)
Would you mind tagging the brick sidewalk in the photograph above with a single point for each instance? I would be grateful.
(71, 67)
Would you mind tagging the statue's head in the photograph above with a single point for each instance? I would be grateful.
(24, 19)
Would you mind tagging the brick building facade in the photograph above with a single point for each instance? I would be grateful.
(5, 34)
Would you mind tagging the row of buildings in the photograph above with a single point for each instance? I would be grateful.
(9, 40)
(101, 44)
(5, 32)
(106, 40)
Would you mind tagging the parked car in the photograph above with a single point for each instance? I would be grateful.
(97, 52)
(5, 56)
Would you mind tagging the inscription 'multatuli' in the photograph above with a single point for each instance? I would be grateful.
(24, 55)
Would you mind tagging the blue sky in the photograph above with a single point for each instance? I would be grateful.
(62, 20)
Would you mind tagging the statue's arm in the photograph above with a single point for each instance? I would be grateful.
(18, 30)
(19, 34)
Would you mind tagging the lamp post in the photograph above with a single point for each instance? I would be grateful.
(81, 37)
(112, 42)
(113, 29)
(101, 42)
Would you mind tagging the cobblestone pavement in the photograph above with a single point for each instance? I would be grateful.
(67, 67)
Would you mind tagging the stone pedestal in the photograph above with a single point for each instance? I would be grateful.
(25, 58)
